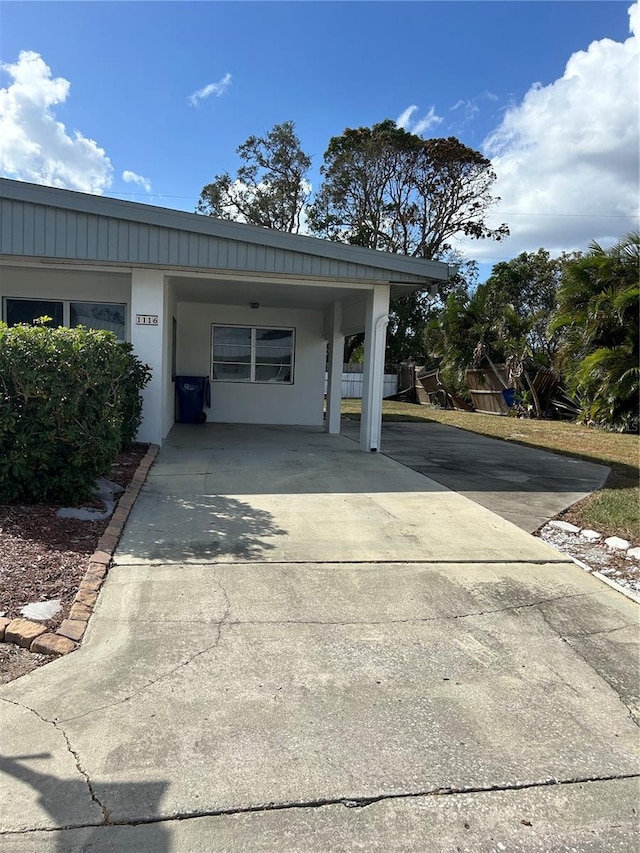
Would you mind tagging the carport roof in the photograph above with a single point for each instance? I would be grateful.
(47, 222)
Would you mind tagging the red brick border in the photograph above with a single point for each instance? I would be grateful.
(35, 637)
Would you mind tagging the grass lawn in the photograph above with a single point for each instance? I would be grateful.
(614, 509)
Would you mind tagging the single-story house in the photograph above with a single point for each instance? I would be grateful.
(262, 313)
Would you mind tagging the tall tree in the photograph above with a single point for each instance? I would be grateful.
(270, 188)
(598, 318)
(386, 188)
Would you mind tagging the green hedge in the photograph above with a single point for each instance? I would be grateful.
(69, 401)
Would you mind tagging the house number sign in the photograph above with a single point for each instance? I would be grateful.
(146, 319)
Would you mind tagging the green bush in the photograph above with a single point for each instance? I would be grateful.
(69, 400)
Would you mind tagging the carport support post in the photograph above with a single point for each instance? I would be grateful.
(334, 369)
(149, 337)
(375, 336)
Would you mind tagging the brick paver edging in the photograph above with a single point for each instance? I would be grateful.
(35, 637)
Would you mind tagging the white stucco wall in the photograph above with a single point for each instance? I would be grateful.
(300, 403)
(60, 284)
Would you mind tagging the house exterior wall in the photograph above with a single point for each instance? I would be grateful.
(300, 403)
(57, 284)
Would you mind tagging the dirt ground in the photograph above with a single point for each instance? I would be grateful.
(43, 558)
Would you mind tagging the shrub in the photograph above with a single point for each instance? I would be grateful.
(66, 407)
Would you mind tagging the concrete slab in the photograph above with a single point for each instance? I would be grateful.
(444, 694)
(236, 493)
(522, 484)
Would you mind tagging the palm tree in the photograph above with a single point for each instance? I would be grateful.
(598, 319)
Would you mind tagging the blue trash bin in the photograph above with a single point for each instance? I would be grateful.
(509, 396)
(193, 393)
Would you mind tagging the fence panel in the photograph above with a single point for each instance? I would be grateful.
(352, 385)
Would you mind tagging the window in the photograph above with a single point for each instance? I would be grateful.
(249, 354)
(94, 315)
(98, 315)
(27, 310)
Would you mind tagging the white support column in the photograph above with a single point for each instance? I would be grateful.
(334, 371)
(377, 318)
(148, 299)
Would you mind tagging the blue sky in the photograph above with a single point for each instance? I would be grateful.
(92, 91)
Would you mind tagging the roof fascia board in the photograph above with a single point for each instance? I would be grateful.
(208, 226)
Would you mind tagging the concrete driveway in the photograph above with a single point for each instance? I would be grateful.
(522, 484)
(304, 647)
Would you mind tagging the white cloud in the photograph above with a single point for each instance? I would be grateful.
(33, 145)
(216, 89)
(405, 120)
(567, 156)
(133, 178)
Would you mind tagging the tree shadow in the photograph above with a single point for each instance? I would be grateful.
(198, 528)
(60, 799)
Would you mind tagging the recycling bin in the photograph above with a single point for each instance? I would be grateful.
(193, 393)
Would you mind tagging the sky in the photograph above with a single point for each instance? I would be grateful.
(148, 101)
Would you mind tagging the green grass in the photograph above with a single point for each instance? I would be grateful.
(614, 509)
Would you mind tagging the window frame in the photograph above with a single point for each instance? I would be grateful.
(66, 309)
(253, 352)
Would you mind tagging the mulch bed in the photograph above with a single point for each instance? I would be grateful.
(43, 557)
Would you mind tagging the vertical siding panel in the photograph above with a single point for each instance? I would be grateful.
(102, 242)
(81, 236)
(222, 257)
(5, 226)
(164, 248)
(38, 229)
(70, 235)
(183, 248)
(17, 228)
(154, 245)
(232, 257)
(192, 258)
(122, 241)
(143, 243)
(92, 237)
(49, 232)
(202, 259)
(112, 240)
(29, 229)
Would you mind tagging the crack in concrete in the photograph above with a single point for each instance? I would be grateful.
(181, 665)
(354, 802)
(413, 620)
(631, 713)
(596, 633)
(106, 817)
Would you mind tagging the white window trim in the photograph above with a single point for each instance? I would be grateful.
(66, 309)
(252, 372)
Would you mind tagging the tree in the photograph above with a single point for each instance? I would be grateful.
(271, 188)
(386, 188)
(503, 322)
(598, 319)
(529, 284)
